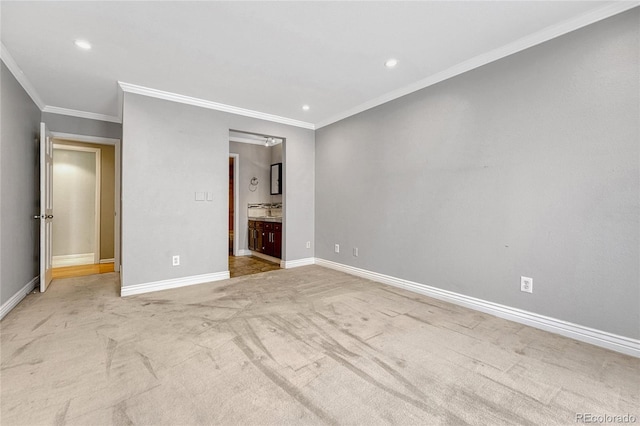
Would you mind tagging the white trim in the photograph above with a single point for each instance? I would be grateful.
(130, 290)
(73, 260)
(86, 139)
(600, 338)
(244, 252)
(17, 298)
(20, 76)
(112, 260)
(288, 264)
(73, 256)
(236, 202)
(203, 103)
(81, 114)
(526, 42)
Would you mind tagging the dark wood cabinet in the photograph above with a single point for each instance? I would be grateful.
(265, 237)
(277, 240)
(272, 239)
(256, 232)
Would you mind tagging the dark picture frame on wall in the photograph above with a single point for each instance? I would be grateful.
(276, 179)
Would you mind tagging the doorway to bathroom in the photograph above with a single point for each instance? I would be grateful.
(255, 203)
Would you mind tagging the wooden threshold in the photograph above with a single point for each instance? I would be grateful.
(82, 270)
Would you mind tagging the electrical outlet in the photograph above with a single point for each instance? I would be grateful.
(355, 251)
(308, 244)
(176, 260)
(337, 248)
(526, 284)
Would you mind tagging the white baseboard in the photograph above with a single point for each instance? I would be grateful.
(16, 298)
(243, 252)
(288, 264)
(107, 260)
(600, 338)
(172, 283)
(73, 259)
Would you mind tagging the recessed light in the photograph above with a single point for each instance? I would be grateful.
(391, 63)
(305, 107)
(83, 44)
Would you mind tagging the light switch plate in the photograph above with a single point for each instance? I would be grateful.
(200, 196)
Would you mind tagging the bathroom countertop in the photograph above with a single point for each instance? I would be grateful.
(267, 219)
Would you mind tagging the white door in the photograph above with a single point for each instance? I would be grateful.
(46, 205)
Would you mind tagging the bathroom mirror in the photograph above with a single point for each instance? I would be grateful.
(276, 179)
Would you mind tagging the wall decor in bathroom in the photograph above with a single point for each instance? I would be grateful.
(253, 185)
(276, 178)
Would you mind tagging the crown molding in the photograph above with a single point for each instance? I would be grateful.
(531, 40)
(203, 103)
(81, 114)
(20, 76)
(17, 72)
(541, 36)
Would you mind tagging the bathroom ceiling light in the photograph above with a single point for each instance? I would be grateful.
(305, 107)
(271, 141)
(391, 63)
(83, 44)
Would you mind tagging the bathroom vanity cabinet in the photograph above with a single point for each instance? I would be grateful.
(266, 237)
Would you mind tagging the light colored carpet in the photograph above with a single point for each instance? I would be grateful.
(301, 346)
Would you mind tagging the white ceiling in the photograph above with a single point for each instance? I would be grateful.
(270, 57)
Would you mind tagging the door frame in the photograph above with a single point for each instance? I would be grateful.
(57, 144)
(46, 206)
(117, 223)
(236, 200)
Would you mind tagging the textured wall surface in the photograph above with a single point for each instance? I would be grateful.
(525, 166)
(19, 193)
(82, 126)
(170, 152)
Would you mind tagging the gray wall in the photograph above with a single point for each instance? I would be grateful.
(171, 151)
(254, 162)
(19, 197)
(82, 126)
(526, 166)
